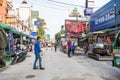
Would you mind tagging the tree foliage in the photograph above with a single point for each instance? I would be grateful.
(58, 35)
(40, 29)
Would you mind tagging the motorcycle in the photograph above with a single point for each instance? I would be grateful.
(19, 56)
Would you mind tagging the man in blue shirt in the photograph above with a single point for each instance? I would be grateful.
(73, 48)
(37, 49)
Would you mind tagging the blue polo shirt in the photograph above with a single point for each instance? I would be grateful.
(37, 47)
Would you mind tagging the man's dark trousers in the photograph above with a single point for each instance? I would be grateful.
(69, 51)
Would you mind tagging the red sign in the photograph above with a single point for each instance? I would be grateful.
(72, 35)
(74, 28)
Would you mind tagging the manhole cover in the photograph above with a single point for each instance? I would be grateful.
(30, 76)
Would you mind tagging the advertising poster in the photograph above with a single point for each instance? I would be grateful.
(74, 28)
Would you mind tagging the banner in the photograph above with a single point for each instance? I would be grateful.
(104, 17)
(74, 28)
(34, 14)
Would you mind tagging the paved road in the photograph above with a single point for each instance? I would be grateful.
(60, 67)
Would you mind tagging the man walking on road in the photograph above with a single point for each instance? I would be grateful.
(37, 49)
(69, 44)
(55, 47)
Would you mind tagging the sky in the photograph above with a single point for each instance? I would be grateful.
(55, 14)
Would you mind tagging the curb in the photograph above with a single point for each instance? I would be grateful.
(4, 68)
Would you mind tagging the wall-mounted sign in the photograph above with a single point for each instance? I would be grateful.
(11, 20)
(102, 18)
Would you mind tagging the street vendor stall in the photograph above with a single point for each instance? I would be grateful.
(98, 46)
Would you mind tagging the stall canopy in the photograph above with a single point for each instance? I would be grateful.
(4, 26)
(15, 31)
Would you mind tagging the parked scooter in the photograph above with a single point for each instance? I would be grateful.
(19, 56)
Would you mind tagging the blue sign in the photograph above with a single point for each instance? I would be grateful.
(38, 23)
(33, 33)
(105, 17)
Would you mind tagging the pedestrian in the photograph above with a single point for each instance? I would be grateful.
(37, 49)
(73, 48)
(10, 42)
(55, 47)
(69, 44)
(46, 46)
(86, 48)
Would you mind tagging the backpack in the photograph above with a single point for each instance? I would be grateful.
(3, 39)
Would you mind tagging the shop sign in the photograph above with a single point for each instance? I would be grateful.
(38, 23)
(11, 20)
(74, 12)
(105, 17)
(34, 14)
(88, 11)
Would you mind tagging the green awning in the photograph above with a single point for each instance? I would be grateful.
(23, 34)
(15, 31)
(4, 26)
(83, 39)
(112, 29)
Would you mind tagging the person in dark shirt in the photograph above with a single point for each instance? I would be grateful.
(69, 44)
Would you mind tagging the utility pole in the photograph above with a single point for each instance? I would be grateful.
(115, 9)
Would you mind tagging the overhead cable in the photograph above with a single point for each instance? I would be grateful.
(66, 3)
(53, 4)
(46, 6)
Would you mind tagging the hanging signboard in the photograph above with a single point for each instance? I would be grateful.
(37, 23)
(88, 11)
(34, 14)
(74, 12)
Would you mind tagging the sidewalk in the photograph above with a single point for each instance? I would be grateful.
(57, 67)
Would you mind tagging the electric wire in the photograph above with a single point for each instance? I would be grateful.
(66, 3)
(46, 6)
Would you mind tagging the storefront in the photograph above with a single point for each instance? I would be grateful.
(104, 20)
